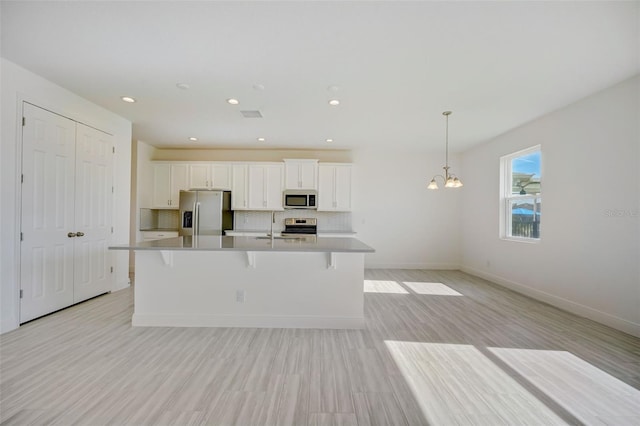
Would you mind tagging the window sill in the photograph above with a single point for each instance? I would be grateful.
(521, 240)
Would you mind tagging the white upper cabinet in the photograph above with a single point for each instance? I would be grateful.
(301, 174)
(239, 187)
(210, 176)
(199, 176)
(168, 180)
(334, 187)
(266, 183)
(221, 175)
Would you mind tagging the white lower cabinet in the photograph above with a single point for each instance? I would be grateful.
(158, 235)
(334, 187)
(246, 233)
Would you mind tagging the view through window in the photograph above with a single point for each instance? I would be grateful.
(521, 199)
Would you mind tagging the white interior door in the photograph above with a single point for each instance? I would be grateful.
(46, 252)
(93, 211)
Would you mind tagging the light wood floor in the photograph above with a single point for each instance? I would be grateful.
(439, 348)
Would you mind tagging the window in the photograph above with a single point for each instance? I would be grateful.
(521, 198)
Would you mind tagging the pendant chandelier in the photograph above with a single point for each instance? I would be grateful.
(450, 180)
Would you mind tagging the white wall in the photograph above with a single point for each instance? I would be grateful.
(588, 258)
(408, 225)
(17, 85)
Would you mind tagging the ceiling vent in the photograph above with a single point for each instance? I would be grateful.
(251, 114)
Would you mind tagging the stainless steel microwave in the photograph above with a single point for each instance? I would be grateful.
(300, 199)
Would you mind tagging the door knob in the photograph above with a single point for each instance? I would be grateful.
(79, 234)
(71, 234)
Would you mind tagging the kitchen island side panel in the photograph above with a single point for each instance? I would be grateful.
(281, 289)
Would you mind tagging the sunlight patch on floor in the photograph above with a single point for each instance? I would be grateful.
(457, 384)
(588, 393)
(379, 286)
(433, 289)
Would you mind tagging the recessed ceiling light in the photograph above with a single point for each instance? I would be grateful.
(182, 86)
(261, 139)
(329, 140)
(128, 99)
(233, 101)
(334, 102)
(193, 139)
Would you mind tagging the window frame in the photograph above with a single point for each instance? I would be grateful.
(507, 197)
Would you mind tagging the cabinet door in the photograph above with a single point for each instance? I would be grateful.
(301, 174)
(162, 185)
(326, 187)
(343, 188)
(308, 175)
(265, 187)
(239, 187)
(274, 176)
(199, 176)
(291, 175)
(334, 187)
(257, 187)
(221, 176)
(179, 181)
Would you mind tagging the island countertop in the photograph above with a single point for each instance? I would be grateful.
(251, 244)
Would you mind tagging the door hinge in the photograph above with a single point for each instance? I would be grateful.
(112, 229)
(20, 293)
(21, 236)
(24, 121)
(21, 178)
(113, 149)
(112, 189)
(112, 269)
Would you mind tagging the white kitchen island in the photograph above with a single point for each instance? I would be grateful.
(223, 281)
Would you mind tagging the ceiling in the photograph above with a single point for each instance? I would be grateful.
(394, 66)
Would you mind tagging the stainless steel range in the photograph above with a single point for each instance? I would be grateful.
(300, 227)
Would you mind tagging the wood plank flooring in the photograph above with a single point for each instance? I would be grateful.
(439, 347)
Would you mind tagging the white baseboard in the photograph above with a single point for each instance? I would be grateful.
(8, 326)
(168, 320)
(121, 285)
(441, 266)
(559, 302)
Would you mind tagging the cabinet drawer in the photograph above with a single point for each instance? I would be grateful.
(158, 235)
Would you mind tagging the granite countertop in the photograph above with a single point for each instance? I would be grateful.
(228, 243)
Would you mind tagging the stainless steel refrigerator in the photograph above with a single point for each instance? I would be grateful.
(205, 212)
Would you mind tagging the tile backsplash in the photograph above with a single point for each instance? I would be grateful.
(159, 219)
(260, 220)
(251, 220)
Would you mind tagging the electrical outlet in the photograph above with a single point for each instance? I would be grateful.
(241, 295)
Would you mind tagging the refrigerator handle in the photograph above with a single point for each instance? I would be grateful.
(196, 218)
